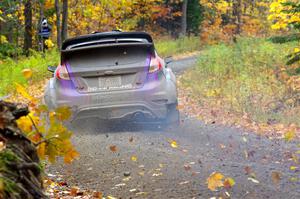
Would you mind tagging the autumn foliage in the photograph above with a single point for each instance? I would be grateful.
(46, 128)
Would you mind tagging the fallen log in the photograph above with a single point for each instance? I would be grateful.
(20, 169)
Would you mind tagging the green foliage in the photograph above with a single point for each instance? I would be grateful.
(11, 69)
(243, 77)
(194, 16)
(284, 39)
(9, 50)
(6, 157)
(181, 45)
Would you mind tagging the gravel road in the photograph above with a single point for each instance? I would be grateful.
(161, 171)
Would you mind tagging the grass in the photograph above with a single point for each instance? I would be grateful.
(246, 78)
(11, 70)
(182, 45)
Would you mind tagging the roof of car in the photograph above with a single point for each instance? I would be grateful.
(106, 35)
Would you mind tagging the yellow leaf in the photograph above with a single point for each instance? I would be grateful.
(27, 73)
(111, 197)
(173, 143)
(290, 135)
(229, 182)
(49, 43)
(293, 168)
(41, 150)
(22, 91)
(63, 113)
(70, 156)
(133, 158)
(25, 124)
(214, 181)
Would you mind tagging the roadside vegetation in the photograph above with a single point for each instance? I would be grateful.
(249, 78)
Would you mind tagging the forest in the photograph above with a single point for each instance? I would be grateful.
(245, 75)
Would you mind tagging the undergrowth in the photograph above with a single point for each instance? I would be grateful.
(11, 70)
(248, 77)
(178, 46)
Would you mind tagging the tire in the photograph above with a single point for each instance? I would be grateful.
(173, 116)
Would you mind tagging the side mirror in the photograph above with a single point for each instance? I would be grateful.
(168, 60)
(51, 69)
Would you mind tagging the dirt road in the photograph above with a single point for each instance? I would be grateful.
(145, 165)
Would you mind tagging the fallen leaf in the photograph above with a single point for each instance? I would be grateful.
(120, 185)
(184, 182)
(214, 181)
(276, 177)
(294, 179)
(247, 170)
(126, 179)
(98, 195)
(141, 173)
(246, 154)
(131, 139)
(289, 136)
(187, 167)
(229, 183)
(27, 73)
(74, 191)
(253, 180)
(227, 194)
(141, 193)
(293, 168)
(173, 143)
(157, 174)
(113, 148)
(133, 158)
(111, 197)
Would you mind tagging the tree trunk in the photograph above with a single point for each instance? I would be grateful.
(64, 32)
(57, 9)
(39, 38)
(184, 17)
(19, 163)
(28, 26)
(237, 13)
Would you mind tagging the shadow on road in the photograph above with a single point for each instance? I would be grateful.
(95, 126)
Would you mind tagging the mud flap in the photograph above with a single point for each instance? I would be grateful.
(173, 115)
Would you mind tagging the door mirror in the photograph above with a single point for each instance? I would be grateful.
(51, 69)
(168, 60)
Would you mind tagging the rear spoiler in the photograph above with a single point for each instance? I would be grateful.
(98, 45)
(112, 36)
